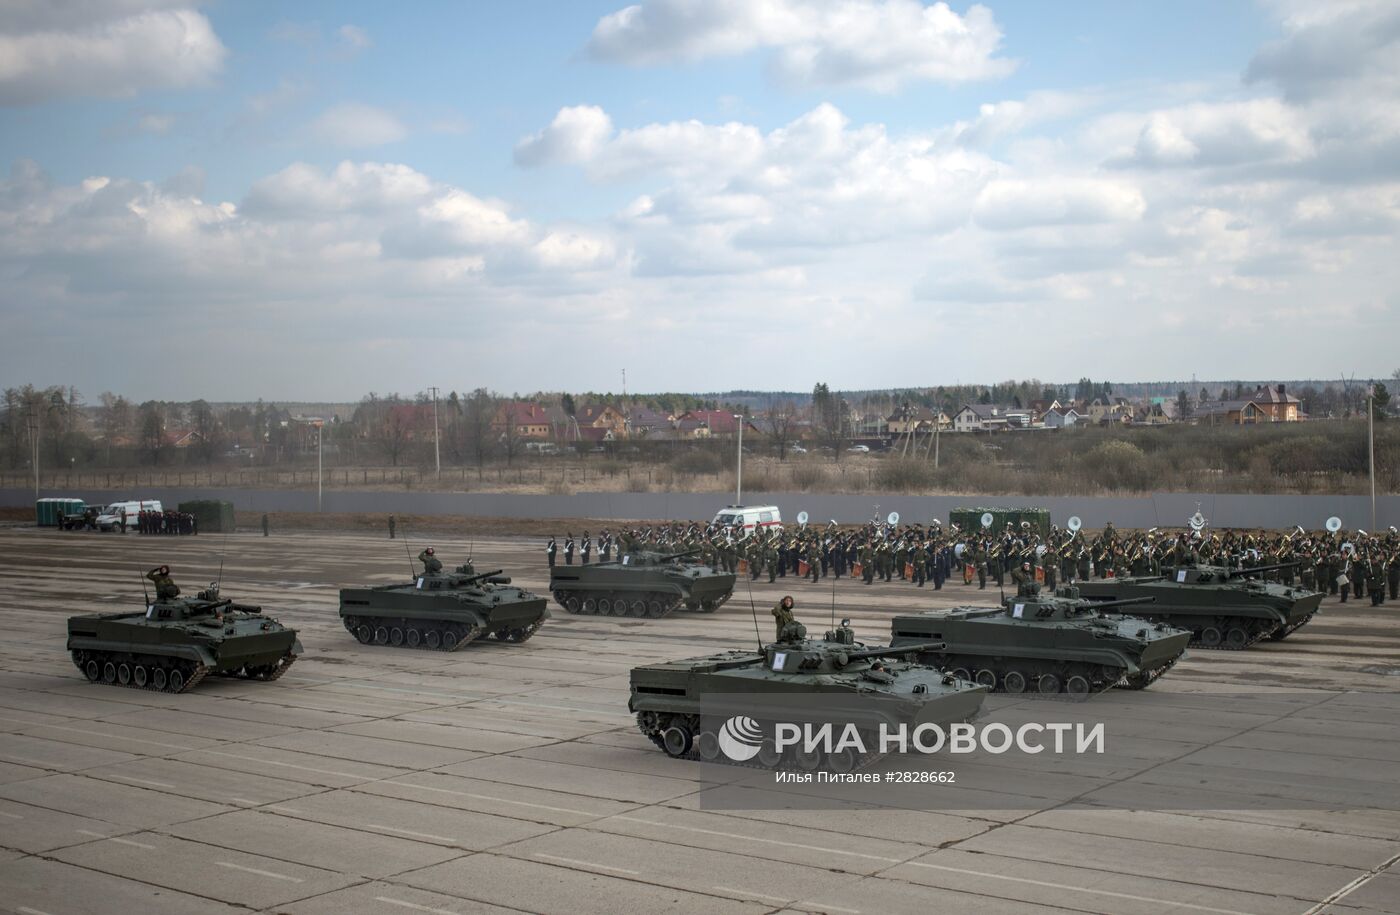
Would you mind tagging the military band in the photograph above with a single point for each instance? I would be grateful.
(1340, 563)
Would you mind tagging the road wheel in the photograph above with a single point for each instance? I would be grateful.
(159, 678)
(604, 606)
(364, 634)
(987, 678)
(381, 635)
(589, 606)
(962, 673)
(1078, 688)
(768, 755)
(1048, 685)
(637, 608)
(449, 640)
(92, 670)
(177, 680)
(109, 672)
(1013, 682)
(433, 639)
(139, 676)
(807, 760)
(843, 761)
(1211, 637)
(1236, 638)
(707, 745)
(414, 637)
(676, 740)
(123, 674)
(655, 609)
(396, 636)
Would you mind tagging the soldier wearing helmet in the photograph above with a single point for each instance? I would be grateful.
(431, 564)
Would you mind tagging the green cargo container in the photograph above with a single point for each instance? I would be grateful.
(211, 516)
(969, 520)
(47, 512)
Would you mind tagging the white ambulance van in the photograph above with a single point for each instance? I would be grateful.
(754, 518)
(110, 517)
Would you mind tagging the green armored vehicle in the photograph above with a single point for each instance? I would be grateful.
(1044, 644)
(640, 583)
(442, 611)
(178, 641)
(718, 708)
(1220, 607)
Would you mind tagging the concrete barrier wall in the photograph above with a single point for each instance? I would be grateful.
(1156, 510)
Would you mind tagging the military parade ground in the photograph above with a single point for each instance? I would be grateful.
(512, 778)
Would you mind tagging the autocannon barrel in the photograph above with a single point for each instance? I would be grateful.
(1255, 570)
(669, 556)
(1122, 602)
(889, 651)
(480, 576)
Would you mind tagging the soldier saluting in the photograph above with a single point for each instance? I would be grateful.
(431, 564)
(166, 589)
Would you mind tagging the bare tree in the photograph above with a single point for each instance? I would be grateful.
(152, 423)
(831, 414)
(478, 415)
(780, 418)
(512, 442)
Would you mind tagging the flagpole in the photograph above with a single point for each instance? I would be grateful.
(1371, 443)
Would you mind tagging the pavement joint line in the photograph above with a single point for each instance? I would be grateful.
(139, 781)
(1077, 889)
(64, 727)
(287, 765)
(828, 907)
(26, 910)
(732, 835)
(260, 873)
(409, 832)
(586, 864)
(781, 900)
(413, 905)
(499, 800)
(1353, 886)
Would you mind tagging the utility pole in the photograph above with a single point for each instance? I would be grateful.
(319, 424)
(1371, 443)
(437, 451)
(32, 421)
(739, 466)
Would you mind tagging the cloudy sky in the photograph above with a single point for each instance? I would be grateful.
(315, 200)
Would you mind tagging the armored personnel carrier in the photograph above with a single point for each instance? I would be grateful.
(685, 707)
(1046, 644)
(178, 641)
(1220, 607)
(442, 611)
(640, 583)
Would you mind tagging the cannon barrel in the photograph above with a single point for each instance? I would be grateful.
(890, 651)
(475, 578)
(1237, 573)
(669, 556)
(1122, 602)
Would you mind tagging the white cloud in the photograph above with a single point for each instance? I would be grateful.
(356, 125)
(874, 44)
(59, 50)
(1222, 134)
(573, 136)
(354, 38)
(1055, 200)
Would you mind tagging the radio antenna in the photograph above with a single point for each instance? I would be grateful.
(408, 554)
(223, 551)
(144, 593)
(754, 610)
(833, 600)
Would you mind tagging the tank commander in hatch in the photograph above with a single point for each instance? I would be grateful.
(789, 629)
(1024, 578)
(431, 564)
(166, 589)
